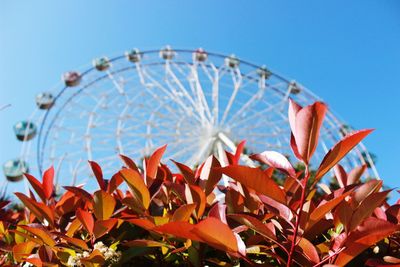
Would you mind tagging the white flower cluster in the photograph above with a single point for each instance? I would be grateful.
(110, 255)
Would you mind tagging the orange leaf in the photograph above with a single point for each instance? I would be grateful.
(199, 198)
(115, 181)
(76, 242)
(323, 209)
(22, 250)
(154, 161)
(104, 205)
(48, 178)
(338, 151)
(73, 227)
(143, 223)
(102, 227)
(178, 229)
(98, 173)
(96, 258)
(256, 179)
(217, 234)
(40, 233)
(183, 213)
(86, 219)
(145, 243)
(137, 186)
(34, 260)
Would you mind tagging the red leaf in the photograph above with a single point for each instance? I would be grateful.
(79, 192)
(187, 172)
(48, 178)
(239, 151)
(308, 123)
(40, 210)
(338, 151)
(115, 181)
(355, 174)
(37, 186)
(98, 173)
(370, 232)
(154, 161)
(86, 219)
(294, 147)
(256, 179)
(367, 207)
(210, 175)
(275, 160)
(294, 108)
(254, 224)
(341, 175)
(309, 250)
(366, 189)
(129, 162)
(218, 211)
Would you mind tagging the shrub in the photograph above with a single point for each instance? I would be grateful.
(179, 219)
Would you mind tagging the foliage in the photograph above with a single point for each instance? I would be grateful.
(191, 219)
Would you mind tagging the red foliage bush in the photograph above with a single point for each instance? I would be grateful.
(190, 219)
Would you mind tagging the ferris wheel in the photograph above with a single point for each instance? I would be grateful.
(197, 102)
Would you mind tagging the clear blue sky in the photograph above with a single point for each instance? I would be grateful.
(346, 52)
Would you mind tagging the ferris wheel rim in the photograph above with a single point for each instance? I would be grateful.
(41, 141)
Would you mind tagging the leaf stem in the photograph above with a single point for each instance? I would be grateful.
(298, 217)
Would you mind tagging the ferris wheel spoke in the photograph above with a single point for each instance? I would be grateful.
(144, 75)
(183, 151)
(237, 81)
(256, 115)
(182, 92)
(199, 92)
(173, 97)
(117, 86)
(250, 103)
